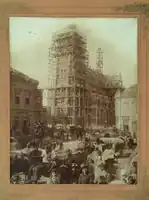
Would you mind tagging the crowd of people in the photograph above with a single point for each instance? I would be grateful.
(93, 162)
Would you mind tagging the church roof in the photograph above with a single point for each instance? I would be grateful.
(98, 79)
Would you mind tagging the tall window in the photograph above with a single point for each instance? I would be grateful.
(27, 101)
(70, 120)
(70, 101)
(70, 92)
(86, 111)
(70, 80)
(81, 112)
(58, 111)
(77, 91)
(77, 110)
(126, 107)
(81, 102)
(134, 108)
(70, 111)
(61, 73)
(17, 99)
(25, 126)
(76, 101)
(16, 123)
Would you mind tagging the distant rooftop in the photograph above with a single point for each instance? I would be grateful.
(23, 76)
(130, 92)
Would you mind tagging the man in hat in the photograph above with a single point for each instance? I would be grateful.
(65, 173)
(75, 172)
(85, 177)
(91, 166)
(108, 157)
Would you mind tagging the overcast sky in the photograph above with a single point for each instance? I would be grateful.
(30, 39)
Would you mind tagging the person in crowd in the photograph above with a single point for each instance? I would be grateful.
(99, 144)
(65, 136)
(15, 179)
(65, 173)
(134, 142)
(61, 146)
(85, 177)
(69, 135)
(108, 157)
(86, 143)
(130, 141)
(92, 154)
(75, 172)
(80, 134)
(54, 179)
(102, 175)
(35, 159)
(61, 132)
(133, 174)
(98, 161)
(53, 152)
(53, 145)
(91, 166)
(77, 135)
(46, 157)
(31, 144)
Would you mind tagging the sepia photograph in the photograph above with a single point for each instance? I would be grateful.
(73, 100)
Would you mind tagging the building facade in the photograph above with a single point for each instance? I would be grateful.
(25, 102)
(126, 109)
(84, 95)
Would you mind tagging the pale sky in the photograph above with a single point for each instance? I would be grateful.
(30, 39)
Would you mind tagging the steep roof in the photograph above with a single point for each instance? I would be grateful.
(114, 81)
(23, 76)
(130, 92)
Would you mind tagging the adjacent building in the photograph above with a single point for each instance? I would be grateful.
(25, 102)
(126, 109)
(84, 95)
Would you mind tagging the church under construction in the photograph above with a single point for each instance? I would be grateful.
(83, 94)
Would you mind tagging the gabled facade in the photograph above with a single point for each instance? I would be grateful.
(126, 109)
(25, 102)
